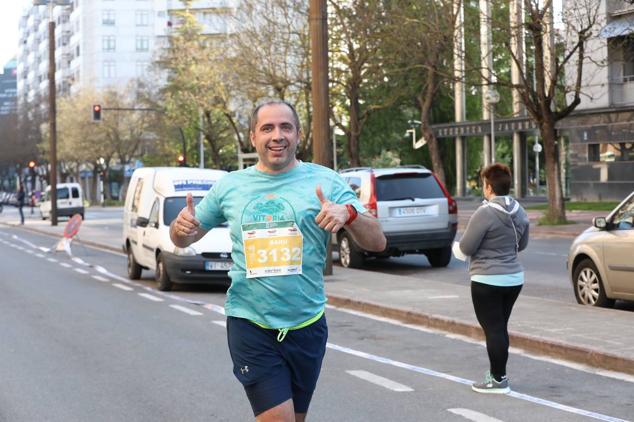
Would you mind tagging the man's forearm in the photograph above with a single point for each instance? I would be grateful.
(367, 233)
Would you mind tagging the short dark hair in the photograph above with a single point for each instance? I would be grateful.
(499, 177)
(254, 114)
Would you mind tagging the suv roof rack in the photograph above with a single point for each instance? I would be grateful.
(413, 166)
(354, 169)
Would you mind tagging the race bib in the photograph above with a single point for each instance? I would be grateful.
(272, 248)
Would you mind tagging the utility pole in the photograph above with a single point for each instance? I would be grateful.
(322, 148)
(52, 108)
(52, 111)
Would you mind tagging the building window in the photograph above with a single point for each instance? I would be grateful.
(109, 70)
(109, 43)
(593, 152)
(108, 17)
(616, 151)
(77, 51)
(141, 69)
(142, 18)
(142, 43)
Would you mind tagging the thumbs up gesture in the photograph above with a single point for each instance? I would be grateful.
(186, 224)
(332, 216)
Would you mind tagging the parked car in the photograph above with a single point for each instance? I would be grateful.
(154, 198)
(69, 201)
(416, 212)
(601, 259)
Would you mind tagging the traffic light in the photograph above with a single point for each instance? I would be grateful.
(31, 164)
(181, 161)
(96, 113)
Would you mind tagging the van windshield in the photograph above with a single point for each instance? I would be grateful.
(407, 186)
(173, 206)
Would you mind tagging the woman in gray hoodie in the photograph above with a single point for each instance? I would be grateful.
(496, 233)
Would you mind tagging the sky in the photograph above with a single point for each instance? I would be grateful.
(10, 12)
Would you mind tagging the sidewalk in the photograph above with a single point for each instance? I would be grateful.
(602, 338)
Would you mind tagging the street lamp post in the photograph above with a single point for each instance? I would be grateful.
(492, 98)
(52, 109)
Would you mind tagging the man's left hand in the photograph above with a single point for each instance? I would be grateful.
(332, 216)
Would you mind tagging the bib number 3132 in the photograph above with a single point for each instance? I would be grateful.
(272, 249)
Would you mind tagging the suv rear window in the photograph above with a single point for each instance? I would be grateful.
(404, 186)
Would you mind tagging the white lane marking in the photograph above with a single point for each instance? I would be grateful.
(151, 297)
(51, 259)
(186, 310)
(459, 380)
(215, 308)
(221, 323)
(39, 255)
(65, 265)
(472, 415)
(100, 278)
(79, 261)
(380, 381)
(122, 287)
(579, 367)
(30, 252)
(81, 270)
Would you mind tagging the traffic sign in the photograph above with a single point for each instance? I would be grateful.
(72, 227)
(537, 147)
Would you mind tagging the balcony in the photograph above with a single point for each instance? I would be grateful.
(619, 8)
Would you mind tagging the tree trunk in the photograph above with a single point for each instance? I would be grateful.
(556, 208)
(354, 132)
(425, 101)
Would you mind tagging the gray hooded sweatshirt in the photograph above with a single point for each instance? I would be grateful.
(496, 232)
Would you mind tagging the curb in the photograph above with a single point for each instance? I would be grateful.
(555, 349)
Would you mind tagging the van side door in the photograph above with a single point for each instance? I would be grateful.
(151, 239)
(135, 233)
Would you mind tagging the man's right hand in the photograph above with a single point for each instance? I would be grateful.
(185, 228)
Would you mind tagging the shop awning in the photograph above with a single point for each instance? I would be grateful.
(623, 25)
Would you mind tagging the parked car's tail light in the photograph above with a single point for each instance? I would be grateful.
(371, 205)
(451, 203)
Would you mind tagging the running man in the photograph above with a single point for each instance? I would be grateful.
(280, 213)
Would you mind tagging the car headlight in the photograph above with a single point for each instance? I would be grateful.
(188, 251)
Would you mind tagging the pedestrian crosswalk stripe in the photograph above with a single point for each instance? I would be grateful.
(378, 380)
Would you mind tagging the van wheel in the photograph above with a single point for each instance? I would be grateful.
(134, 269)
(588, 285)
(162, 278)
(439, 257)
(349, 255)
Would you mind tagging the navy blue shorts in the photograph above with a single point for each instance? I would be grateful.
(273, 372)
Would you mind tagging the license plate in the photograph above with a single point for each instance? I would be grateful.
(414, 211)
(218, 265)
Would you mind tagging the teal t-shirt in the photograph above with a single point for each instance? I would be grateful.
(249, 196)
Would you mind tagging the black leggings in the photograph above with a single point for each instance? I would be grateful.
(493, 306)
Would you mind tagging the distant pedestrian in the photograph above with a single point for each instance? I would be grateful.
(21, 198)
(496, 233)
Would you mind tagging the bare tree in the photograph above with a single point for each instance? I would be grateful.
(360, 77)
(270, 52)
(420, 44)
(551, 76)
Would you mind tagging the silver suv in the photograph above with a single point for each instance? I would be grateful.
(416, 212)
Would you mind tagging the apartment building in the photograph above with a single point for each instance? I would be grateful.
(8, 89)
(102, 43)
(601, 133)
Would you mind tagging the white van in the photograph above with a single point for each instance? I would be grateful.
(70, 201)
(154, 198)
